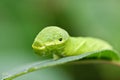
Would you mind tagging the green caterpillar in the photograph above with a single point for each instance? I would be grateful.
(56, 42)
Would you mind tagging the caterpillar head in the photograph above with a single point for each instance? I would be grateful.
(51, 40)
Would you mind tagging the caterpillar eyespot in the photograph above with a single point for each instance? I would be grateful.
(69, 46)
(60, 39)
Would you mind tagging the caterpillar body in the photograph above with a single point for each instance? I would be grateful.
(57, 42)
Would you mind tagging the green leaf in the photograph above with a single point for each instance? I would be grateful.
(109, 55)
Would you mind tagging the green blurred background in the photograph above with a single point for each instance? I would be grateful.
(21, 20)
